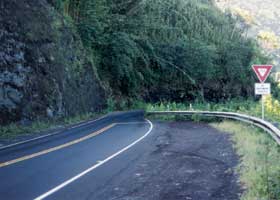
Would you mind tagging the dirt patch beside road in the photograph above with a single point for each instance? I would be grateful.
(185, 161)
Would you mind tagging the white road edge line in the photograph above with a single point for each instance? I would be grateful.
(127, 123)
(88, 122)
(30, 140)
(50, 192)
(51, 134)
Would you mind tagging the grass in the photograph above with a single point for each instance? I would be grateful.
(242, 106)
(14, 130)
(259, 168)
(249, 107)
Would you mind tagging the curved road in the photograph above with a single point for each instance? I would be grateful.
(122, 156)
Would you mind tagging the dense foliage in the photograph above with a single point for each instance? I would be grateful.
(165, 50)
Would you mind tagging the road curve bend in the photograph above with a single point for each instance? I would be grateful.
(123, 156)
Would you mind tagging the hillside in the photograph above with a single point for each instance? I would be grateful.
(139, 100)
(44, 71)
(262, 19)
(165, 50)
(59, 57)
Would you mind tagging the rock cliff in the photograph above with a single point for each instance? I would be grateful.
(44, 70)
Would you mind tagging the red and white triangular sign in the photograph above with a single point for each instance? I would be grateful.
(262, 71)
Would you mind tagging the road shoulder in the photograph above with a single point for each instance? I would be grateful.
(179, 160)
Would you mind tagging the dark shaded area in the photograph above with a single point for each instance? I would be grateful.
(168, 50)
(44, 71)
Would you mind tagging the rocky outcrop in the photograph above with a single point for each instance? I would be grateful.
(44, 71)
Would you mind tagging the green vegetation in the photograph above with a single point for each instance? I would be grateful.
(260, 160)
(250, 107)
(165, 50)
(149, 53)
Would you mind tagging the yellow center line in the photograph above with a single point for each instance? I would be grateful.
(57, 147)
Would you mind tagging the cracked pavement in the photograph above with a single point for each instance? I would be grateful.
(183, 160)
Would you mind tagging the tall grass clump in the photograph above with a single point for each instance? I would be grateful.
(259, 167)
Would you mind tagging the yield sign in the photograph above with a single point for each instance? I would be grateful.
(262, 71)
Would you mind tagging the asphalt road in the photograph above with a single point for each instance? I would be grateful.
(123, 157)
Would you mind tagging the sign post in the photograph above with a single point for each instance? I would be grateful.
(262, 72)
(262, 107)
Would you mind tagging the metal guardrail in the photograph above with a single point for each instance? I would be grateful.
(267, 126)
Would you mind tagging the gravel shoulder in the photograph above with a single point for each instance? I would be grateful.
(183, 160)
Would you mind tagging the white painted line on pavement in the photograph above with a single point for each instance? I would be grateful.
(46, 151)
(127, 123)
(62, 185)
(30, 140)
(85, 123)
(51, 134)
